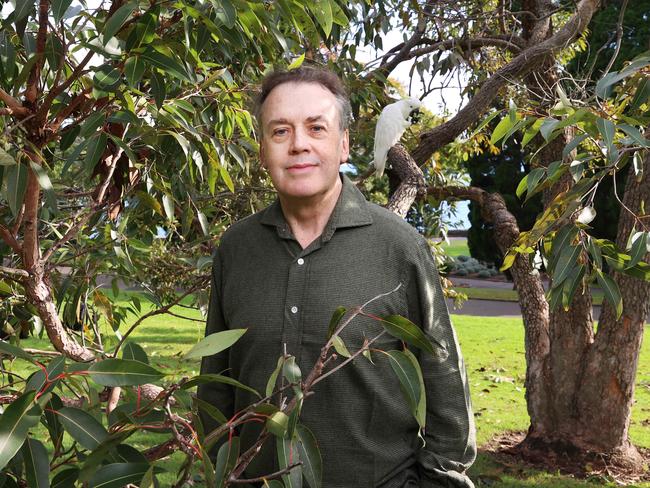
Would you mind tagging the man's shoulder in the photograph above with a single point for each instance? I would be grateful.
(394, 227)
(243, 230)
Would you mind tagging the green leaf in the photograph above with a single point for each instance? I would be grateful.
(288, 455)
(296, 63)
(611, 291)
(66, 478)
(639, 248)
(312, 462)
(335, 320)
(322, 10)
(421, 410)
(635, 135)
(594, 252)
(159, 89)
(291, 371)
(143, 31)
(485, 122)
(215, 343)
(217, 378)
(404, 329)
(37, 381)
(501, 129)
(117, 20)
(133, 70)
(107, 78)
(92, 123)
(134, 352)
(59, 8)
(531, 131)
(226, 178)
(277, 424)
(564, 237)
(573, 144)
(6, 159)
(273, 379)
(82, 427)
(547, 128)
(226, 460)
(606, 128)
(339, 347)
(37, 464)
(408, 378)
(225, 13)
(565, 263)
(16, 181)
(123, 372)
(20, 416)
(571, 285)
(166, 64)
(522, 186)
(118, 475)
(534, 178)
(94, 151)
(23, 9)
(272, 484)
(15, 351)
(210, 410)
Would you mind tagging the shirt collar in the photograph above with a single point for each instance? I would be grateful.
(351, 210)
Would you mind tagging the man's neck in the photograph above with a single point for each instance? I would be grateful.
(308, 218)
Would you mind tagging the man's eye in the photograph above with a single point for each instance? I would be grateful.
(318, 128)
(279, 132)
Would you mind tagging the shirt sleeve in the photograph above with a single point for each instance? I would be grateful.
(218, 395)
(450, 434)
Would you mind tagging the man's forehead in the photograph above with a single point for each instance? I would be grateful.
(281, 106)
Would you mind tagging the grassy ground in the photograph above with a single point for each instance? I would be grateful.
(506, 295)
(457, 247)
(493, 349)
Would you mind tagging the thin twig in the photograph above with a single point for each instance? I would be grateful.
(619, 37)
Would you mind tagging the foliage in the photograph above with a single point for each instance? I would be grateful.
(605, 144)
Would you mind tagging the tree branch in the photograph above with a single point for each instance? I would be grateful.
(14, 107)
(10, 240)
(13, 272)
(523, 64)
(57, 90)
(31, 93)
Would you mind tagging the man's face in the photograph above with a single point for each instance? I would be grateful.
(302, 145)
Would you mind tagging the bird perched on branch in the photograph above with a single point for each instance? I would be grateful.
(392, 123)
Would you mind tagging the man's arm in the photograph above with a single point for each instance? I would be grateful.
(450, 433)
(217, 394)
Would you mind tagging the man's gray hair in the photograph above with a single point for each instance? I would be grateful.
(306, 74)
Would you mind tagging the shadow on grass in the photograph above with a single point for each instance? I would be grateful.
(487, 471)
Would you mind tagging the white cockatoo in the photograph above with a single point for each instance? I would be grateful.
(392, 123)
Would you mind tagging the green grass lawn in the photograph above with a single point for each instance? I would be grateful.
(494, 354)
(457, 247)
(506, 295)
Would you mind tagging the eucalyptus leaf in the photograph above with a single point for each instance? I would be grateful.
(215, 343)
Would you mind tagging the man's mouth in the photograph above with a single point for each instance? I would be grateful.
(301, 166)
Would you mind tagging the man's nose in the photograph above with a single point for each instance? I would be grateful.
(299, 141)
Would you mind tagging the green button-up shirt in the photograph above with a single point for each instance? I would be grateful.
(285, 295)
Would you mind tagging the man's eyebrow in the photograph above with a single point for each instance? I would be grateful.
(277, 121)
(316, 118)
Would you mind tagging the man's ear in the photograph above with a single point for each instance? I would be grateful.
(345, 146)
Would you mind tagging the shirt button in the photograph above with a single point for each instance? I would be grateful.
(300, 261)
(294, 309)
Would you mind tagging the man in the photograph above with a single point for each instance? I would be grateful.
(282, 272)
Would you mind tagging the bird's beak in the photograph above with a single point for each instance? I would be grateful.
(415, 116)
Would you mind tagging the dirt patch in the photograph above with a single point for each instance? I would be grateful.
(509, 450)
